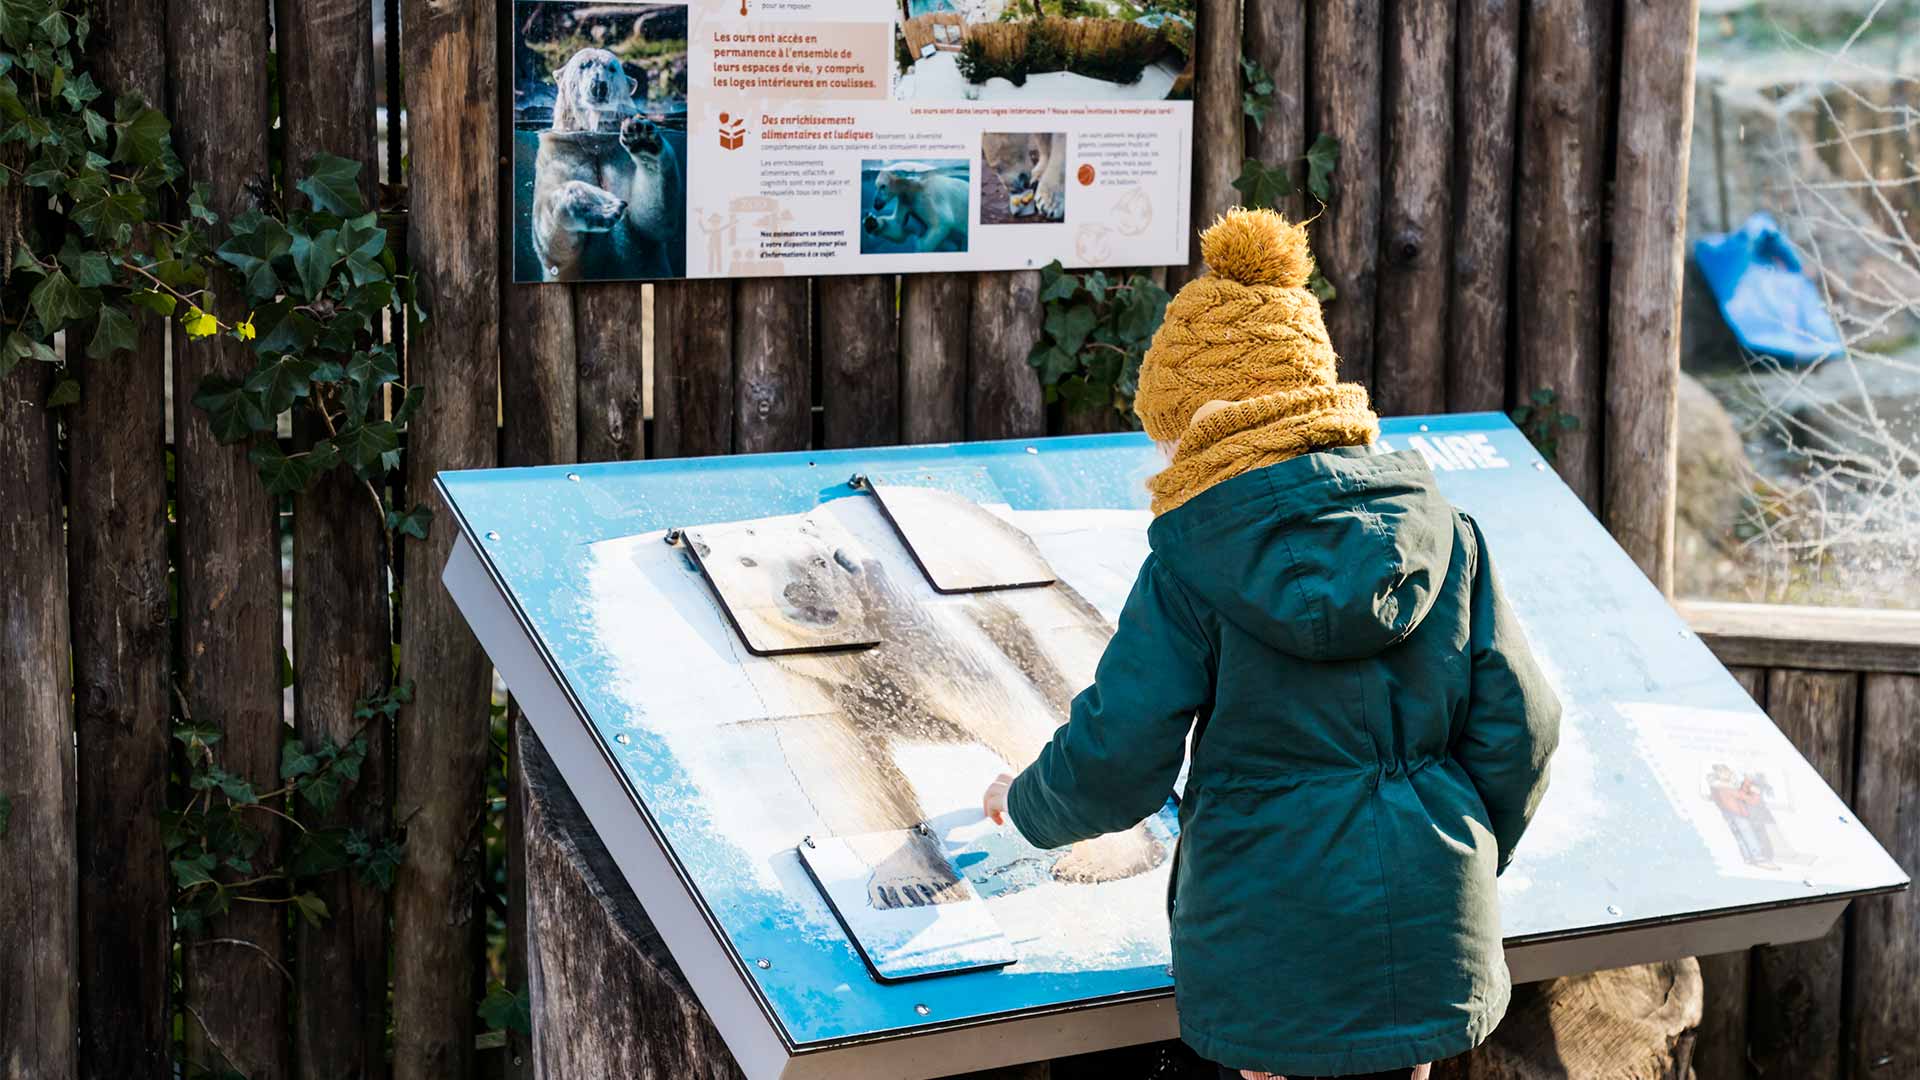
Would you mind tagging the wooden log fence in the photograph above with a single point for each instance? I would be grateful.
(1469, 239)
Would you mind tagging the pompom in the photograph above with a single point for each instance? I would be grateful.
(1257, 247)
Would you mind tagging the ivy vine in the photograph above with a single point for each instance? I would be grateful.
(1095, 334)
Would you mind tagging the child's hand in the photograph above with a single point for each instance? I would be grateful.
(994, 802)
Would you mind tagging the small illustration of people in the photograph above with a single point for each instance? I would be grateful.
(1742, 801)
(716, 229)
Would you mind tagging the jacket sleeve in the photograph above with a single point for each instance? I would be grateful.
(1513, 716)
(1115, 760)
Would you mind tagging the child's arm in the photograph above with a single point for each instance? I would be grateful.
(1114, 762)
(1513, 716)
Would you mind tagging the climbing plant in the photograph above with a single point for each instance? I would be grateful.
(1095, 334)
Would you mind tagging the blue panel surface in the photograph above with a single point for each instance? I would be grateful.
(1673, 795)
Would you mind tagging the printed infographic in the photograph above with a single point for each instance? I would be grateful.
(740, 138)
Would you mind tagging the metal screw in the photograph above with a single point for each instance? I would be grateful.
(1169, 971)
(807, 840)
(622, 739)
(763, 963)
(671, 537)
(1540, 466)
(574, 476)
(1033, 449)
(1843, 819)
(1808, 882)
(493, 536)
(1613, 909)
(1423, 427)
(922, 1010)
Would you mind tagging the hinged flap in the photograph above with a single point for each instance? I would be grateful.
(908, 911)
(959, 544)
(789, 585)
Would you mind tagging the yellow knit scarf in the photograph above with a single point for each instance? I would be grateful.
(1261, 431)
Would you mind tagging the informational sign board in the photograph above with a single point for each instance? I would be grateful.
(733, 138)
(802, 824)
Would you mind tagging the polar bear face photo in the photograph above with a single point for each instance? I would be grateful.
(1031, 173)
(914, 207)
(592, 92)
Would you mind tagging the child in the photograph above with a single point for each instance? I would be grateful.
(1369, 732)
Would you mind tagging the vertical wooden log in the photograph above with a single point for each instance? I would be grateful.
(1483, 102)
(1219, 128)
(1004, 399)
(538, 387)
(1794, 1019)
(1276, 37)
(611, 401)
(1885, 962)
(1655, 132)
(1417, 198)
(692, 368)
(1559, 278)
(935, 310)
(859, 360)
(229, 577)
(117, 581)
(37, 880)
(1721, 1052)
(1343, 82)
(773, 402)
(341, 630)
(450, 64)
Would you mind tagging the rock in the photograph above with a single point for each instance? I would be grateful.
(1635, 1023)
(1862, 409)
(1714, 478)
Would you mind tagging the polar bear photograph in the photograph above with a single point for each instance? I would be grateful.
(914, 207)
(1023, 177)
(599, 142)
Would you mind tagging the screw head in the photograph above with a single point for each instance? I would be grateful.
(1033, 449)
(1843, 820)
(1540, 466)
(493, 535)
(1169, 971)
(574, 476)
(1423, 427)
(1613, 909)
(763, 963)
(622, 739)
(922, 1010)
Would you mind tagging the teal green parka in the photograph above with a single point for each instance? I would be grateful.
(1370, 737)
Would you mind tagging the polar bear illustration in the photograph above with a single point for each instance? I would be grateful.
(910, 192)
(1033, 165)
(582, 176)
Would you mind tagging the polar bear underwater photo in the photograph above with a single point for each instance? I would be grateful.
(914, 207)
(599, 141)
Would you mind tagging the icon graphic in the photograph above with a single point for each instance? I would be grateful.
(733, 132)
(1085, 175)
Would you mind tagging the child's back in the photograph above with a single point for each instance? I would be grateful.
(1371, 739)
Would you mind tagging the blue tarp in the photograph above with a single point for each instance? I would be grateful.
(1768, 301)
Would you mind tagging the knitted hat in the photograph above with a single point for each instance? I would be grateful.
(1248, 331)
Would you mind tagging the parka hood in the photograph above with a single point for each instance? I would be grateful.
(1334, 555)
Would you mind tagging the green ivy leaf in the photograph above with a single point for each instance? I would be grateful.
(333, 184)
(284, 473)
(414, 522)
(1056, 284)
(89, 269)
(1069, 326)
(110, 214)
(375, 861)
(197, 870)
(21, 347)
(313, 909)
(144, 138)
(362, 242)
(1322, 158)
(65, 392)
(363, 445)
(313, 259)
(506, 1010)
(1320, 287)
(232, 412)
(281, 382)
(1260, 186)
(58, 301)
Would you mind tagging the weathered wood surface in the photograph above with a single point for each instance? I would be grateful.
(1004, 400)
(693, 375)
(229, 578)
(935, 314)
(341, 624)
(1559, 280)
(1825, 639)
(1343, 73)
(1794, 1020)
(451, 62)
(608, 317)
(1219, 129)
(117, 593)
(859, 360)
(1276, 37)
(1636, 1023)
(1653, 136)
(1883, 974)
(1484, 97)
(1416, 207)
(37, 883)
(608, 998)
(772, 371)
(1721, 1050)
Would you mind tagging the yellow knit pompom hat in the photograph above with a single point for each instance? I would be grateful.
(1248, 331)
